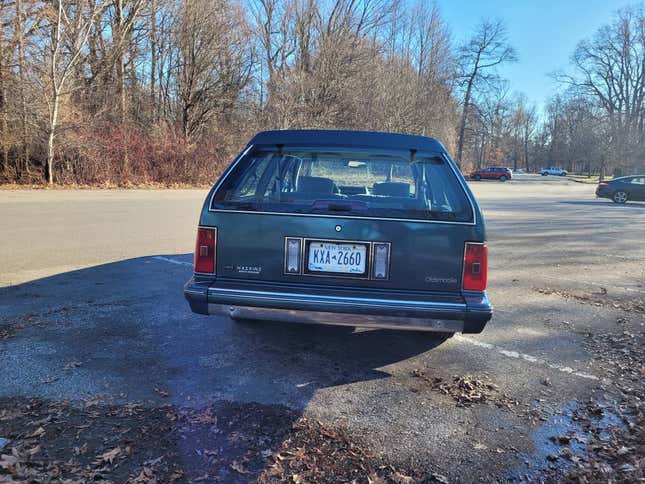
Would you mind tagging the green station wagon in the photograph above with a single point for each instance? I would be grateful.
(343, 227)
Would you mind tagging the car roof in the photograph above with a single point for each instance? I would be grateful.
(365, 139)
(627, 177)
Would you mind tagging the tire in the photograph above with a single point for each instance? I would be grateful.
(477, 177)
(620, 197)
(563, 174)
(503, 178)
(544, 173)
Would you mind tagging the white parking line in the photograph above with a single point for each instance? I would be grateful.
(172, 261)
(525, 357)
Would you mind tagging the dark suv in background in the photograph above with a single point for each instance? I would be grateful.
(622, 189)
(492, 173)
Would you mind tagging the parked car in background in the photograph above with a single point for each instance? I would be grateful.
(343, 227)
(620, 190)
(552, 170)
(492, 173)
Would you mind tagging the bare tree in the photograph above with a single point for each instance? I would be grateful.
(610, 69)
(479, 57)
(69, 25)
(213, 65)
(524, 125)
(5, 55)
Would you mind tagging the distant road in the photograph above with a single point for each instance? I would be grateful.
(49, 231)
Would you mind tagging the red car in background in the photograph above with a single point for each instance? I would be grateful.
(492, 173)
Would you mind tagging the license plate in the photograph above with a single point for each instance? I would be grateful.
(330, 257)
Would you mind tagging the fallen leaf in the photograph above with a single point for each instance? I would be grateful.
(440, 478)
(146, 476)
(110, 455)
(237, 467)
(33, 451)
(39, 432)
(81, 450)
(401, 478)
(7, 461)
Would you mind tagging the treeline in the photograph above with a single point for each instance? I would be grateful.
(136, 91)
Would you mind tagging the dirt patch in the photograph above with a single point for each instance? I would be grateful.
(465, 390)
(600, 298)
(620, 355)
(9, 330)
(223, 442)
(315, 452)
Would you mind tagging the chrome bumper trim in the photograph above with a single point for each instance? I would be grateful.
(340, 319)
(344, 301)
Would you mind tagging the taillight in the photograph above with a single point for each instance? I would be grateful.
(603, 184)
(475, 267)
(205, 250)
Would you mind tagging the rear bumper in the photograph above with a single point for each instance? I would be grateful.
(468, 313)
(603, 193)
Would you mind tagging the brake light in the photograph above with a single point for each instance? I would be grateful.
(603, 184)
(205, 250)
(475, 267)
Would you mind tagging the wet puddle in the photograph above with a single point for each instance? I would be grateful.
(564, 438)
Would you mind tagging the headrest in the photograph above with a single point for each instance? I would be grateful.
(315, 184)
(392, 189)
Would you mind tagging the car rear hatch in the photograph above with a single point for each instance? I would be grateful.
(421, 256)
(362, 221)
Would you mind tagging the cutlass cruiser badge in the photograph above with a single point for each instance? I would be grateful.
(249, 269)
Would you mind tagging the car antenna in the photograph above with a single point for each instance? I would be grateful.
(280, 149)
(412, 153)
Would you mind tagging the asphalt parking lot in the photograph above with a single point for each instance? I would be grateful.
(91, 309)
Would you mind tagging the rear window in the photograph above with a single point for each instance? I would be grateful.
(347, 184)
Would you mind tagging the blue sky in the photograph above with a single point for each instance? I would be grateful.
(544, 33)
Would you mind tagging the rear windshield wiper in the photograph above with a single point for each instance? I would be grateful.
(339, 206)
(441, 215)
(250, 206)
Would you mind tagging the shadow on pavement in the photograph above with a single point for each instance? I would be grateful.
(120, 334)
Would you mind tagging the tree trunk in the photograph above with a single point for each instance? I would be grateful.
(4, 132)
(120, 71)
(53, 120)
(464, 114)
(153, 58)
(24, 165)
